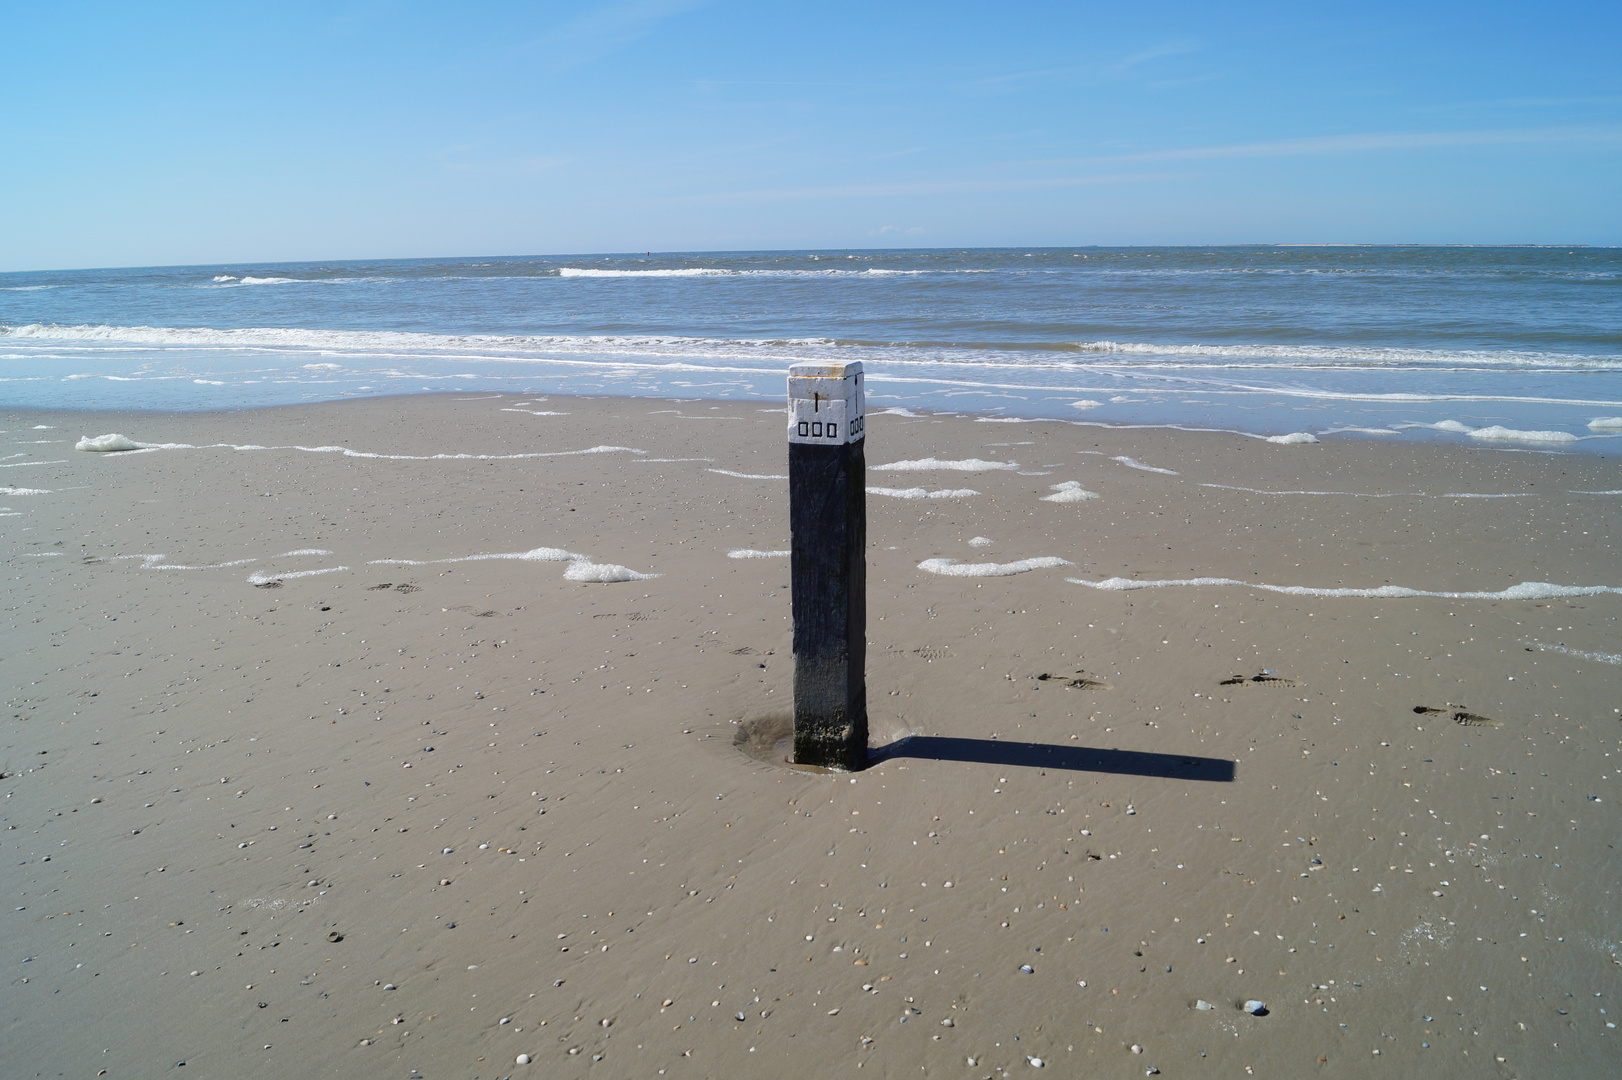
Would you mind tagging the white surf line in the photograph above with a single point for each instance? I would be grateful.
(1602, 658)
(1133, 463)
(581, 568)
(347, 452)
(751, 553)
(264, 577)
(303, 551)
(1484, 495)
(40, 554)
(667, 460)
(1352, 494)
(25, 464)
(746, 476)
(926, 464)
(1069, 492)
(923, 493)
(158, 562)
(536, 412)
(1526, 590)
(953, 568)
(46, 491)
(4, 492)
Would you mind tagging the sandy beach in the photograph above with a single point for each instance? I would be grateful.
(406, 737)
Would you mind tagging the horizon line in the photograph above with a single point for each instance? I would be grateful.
(790, 250)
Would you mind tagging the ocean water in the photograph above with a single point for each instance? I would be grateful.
(1515, 347)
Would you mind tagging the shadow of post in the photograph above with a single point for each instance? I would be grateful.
(1044, 756)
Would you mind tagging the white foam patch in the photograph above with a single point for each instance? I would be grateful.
(1619, 492)
(44, 427)
(264, 577)
(1134, 463)
(897, 411)
(1486, 495)
(540, 554)
(536, 412)
(41, 554)
(747, 476)
(602, 573)
(751, 553)
(1086, 403)
(35, 491)
(927, 464)
(1526, 590)
(1512, 435)
(668, 460)
(1597, 657)
(1294, 438)
(304, 551)
(981, 541)
(953, 568)
(580, 568)
(321, 367)
(1605, 423)
(1070, 491)
(1449, 425)
(923, 493)
(161, 562)
(25, 464)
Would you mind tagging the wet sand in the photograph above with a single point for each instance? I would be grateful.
(307, 773)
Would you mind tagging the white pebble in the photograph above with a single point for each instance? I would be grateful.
(1136, 1049)
(1203, 1005)
(1255, 1008)
(1035, 1063)
(523, 1059)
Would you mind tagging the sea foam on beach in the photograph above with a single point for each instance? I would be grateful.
(1526, 590)
(107, 444)
(927, 464)
(953, 568)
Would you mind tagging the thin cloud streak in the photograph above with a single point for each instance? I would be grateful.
(1373, 141)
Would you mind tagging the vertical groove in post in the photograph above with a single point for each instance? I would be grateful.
(828, 524)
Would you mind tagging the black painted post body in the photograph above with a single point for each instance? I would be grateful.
(827, 479)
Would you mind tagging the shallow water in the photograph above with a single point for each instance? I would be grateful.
(1503, 346)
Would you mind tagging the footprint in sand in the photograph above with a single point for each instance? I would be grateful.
(1459, 716)
(1261, 678)
(1080, 681)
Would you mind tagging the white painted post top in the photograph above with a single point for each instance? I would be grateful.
(826, 403)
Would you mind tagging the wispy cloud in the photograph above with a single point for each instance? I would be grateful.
(604, 29)
(1376, 141)
(1170, 48)
(909, 188)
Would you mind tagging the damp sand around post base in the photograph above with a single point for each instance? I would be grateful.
(413, 734)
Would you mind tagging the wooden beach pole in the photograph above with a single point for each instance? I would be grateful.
(827, 480)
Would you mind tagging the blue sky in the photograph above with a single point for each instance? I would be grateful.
(152, 134)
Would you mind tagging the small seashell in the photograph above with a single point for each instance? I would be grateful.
(1026, 969)
(741, 1016)
(947, 1022)
(523, 1059)
(1136, 1049)
(1035, 1062)
(1203, 1005)
(1256, 1008)
(667, 1003)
